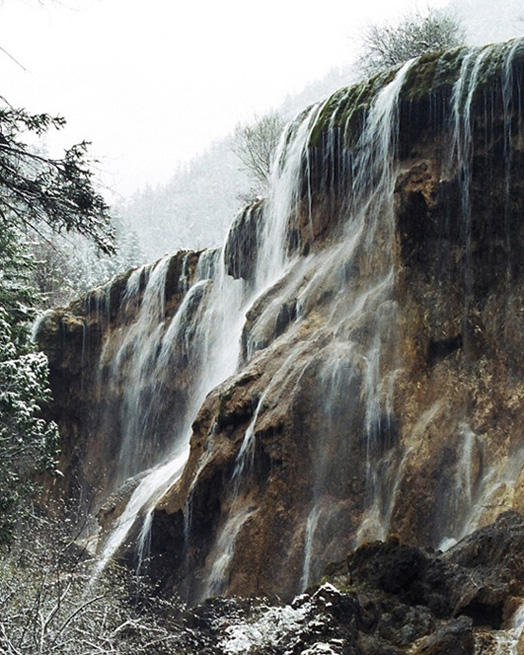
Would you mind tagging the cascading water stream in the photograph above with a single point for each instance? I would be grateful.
(142, 501)
(376, 151)
(476, 488)
(218, 328)
(338, 377)
(349, 296)
(206, 307)
(461, 153)
(244, 459)
(239, 512)
(142, 339)
(470, 497)
(373, 207)
(284, 195)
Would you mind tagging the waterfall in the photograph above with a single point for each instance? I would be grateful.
(325, 301)
(472, 496)
(240, 507)
(284, 195)
(215, 345)
(205, 330)
(138, 410)
(224, 309)
(376, 151)
(141, 503)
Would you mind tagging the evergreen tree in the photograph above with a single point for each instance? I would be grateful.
(27, 442)
(35, 190)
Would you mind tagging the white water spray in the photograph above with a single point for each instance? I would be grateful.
(217, 331)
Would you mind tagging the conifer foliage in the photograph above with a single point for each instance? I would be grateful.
(27, 442)
(35, 191)
(35, 188)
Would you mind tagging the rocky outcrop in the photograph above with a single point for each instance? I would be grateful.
(381, 376)
(385, 598)
(378, 386)
(243, 240)
(82, 342)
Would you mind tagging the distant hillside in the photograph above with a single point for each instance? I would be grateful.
(195, 208)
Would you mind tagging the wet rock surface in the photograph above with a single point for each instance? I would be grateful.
(379, 384)
(401, 407)
(82, 342)
(386, 598)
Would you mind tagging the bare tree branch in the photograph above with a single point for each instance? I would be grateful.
(255, 146)
(386, 45)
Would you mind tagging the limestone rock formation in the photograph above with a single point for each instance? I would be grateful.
(82, 342)
(350, 365)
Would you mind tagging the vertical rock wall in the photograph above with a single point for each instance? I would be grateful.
(379, 384)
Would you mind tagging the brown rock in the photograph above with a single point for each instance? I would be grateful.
(453, 638)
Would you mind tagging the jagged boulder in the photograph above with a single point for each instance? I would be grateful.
(386, 598)
(480, 577)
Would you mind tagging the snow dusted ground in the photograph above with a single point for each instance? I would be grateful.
(283, 628)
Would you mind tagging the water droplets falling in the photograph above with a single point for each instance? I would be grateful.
(238, 500)
(352, 378)
(206, 331)
(139, 409)
(196, 344)
(141, 503)
(283, 202)
(349, 292)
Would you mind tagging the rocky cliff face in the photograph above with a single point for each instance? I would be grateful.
(349, 366)
(91, 346)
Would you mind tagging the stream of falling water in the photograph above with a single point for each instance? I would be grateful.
(372, 198)
(224, 550)
(223, 302)
(375, 160)
(218, 325)
(469, 499)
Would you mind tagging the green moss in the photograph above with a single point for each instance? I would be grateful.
(432, 79)
(346, 108)
(492, 68)
(434, 71)
(324, 116)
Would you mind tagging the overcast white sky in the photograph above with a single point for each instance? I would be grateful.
(152, 82)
